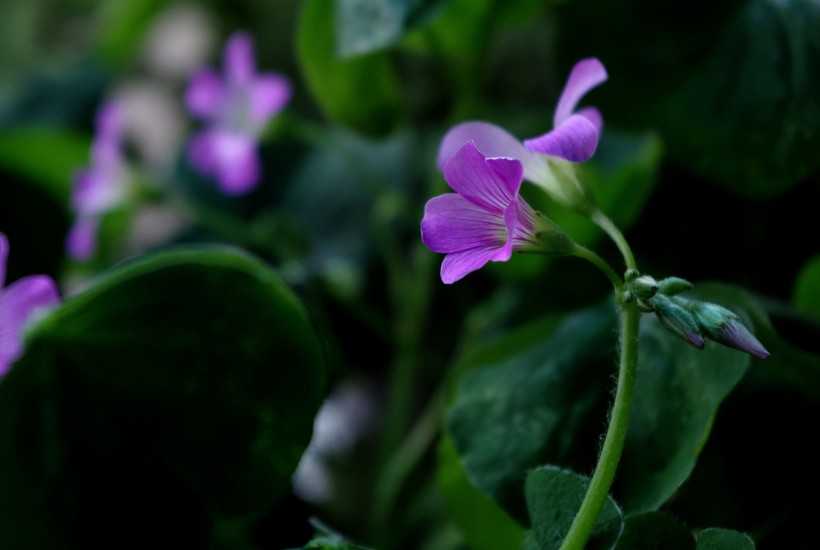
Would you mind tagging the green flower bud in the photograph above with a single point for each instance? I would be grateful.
(673, 285)
(551, 239)
(725, 327)
(676, 319)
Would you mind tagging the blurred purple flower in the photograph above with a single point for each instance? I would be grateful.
(18, 302)
(574, 138)
(484, 220)
(101, 186)
(235, 109)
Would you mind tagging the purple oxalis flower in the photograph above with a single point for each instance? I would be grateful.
(573, 138)
(485, 219)
(101, 186)
(235, 109)
(18, 302)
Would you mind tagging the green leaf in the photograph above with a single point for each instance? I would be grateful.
(554, 496)
(536, 399)
(724, 539)
(807, 288)
(360, 92)
(654, 530)
(735, 103)
(365, 26)
(47, 156)
(180, 386)
(328, 539)
(484, 525)
(678, 391)
(125, 23)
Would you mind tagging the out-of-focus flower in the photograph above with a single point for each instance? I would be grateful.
(485, 219)
(100, 187)
(18, 303)
(235, 108)
(547, 160)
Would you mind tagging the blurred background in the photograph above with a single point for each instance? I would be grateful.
(709, 163)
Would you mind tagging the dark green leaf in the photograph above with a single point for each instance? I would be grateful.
(365, 26)
(554, 496)
(361, 92)
(328, 539)
(807, 288)
(724, 539)
(46, 156)
(180, 386)
(677, 394)
(484, 525)
(654, 530)
(537, 399)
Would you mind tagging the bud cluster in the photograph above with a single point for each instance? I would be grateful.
(689, 320)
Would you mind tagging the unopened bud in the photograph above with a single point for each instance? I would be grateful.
(673, 285)
(724, 326)
(677, 320)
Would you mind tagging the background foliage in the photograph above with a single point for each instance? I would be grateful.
(173, 394)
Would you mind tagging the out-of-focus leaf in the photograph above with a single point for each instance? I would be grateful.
(360, 92)
(125, 23)
(328, 539)
(554, 496)
(724, 539)
(807, 288)
(654, 530)
(48, 157)
(678, 391)
(484, 525)
(364, 26)
(734, 101)
(180, 386)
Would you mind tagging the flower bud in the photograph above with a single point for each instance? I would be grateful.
(677, 320)
(724, 326)
(673, 285)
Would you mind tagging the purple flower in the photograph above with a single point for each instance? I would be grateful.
(235, 109)
(546, 159)
(485, 219)
(18, 302)
(101, 186)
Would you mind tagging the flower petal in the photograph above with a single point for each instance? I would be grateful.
(488, 183)
(585, 75)
(451, 223)
(17, 304)
(269, 95)
(109, 120)
(238, 59)
(229, 157)
(81, 241)
(458, 264)
(594, 116)
(575, 140)
(206, 94)
(491, 141)
(4, 256)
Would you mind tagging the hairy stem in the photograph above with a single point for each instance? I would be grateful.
(600, 263)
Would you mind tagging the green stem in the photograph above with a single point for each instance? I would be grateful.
(615, 234)
(604, 474)
(600, 263)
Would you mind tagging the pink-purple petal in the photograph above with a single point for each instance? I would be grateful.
(586, 74)
(206, 94)
(18, 302)
(594, 116)
(81, 241)
(575, 140)
(109, 120)
(238, 59)
(451, 223)
(230, 157)
(459, 264)
(489, 139)
(471, 175)
(269, 94)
